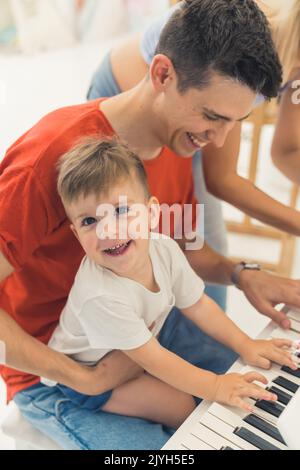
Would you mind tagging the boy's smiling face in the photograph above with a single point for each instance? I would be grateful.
(110, 238)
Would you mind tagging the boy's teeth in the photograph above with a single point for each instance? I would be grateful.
(117, 247)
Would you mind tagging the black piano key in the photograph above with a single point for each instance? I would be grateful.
(253, 439)
(287, 384)
(226, 448)
(274, 409)
(282, 397)
(294, 373)
(264, 426)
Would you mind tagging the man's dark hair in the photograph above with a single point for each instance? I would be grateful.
(230, 37)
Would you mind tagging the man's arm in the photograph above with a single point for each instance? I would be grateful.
(21, 351)
(208, 264)
(262, 289)
(222, 180)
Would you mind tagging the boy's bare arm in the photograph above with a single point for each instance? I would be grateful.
(21, 351)
(211, 319)
(171, 369)
(208, 316)
(230, 389)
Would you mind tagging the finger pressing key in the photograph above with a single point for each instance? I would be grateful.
(255, 376)
(281, 342)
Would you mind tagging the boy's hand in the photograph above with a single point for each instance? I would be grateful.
(261, 353)
(232, 389)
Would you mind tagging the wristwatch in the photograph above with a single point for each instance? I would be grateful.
(239, 268)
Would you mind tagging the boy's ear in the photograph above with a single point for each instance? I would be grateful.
(154, 213)
(74, 231)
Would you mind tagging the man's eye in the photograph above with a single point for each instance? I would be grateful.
(88, 221)
(122, 210)
(210, 118)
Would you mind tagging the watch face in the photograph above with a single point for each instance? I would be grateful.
(252, 266)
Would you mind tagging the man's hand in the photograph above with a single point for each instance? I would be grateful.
(265, 291)
(113, 370)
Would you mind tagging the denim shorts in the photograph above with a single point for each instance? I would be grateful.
(71, 426)
(93, 403)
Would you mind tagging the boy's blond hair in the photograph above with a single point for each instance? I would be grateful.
(94, 166)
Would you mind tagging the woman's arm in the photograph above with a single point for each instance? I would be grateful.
(222, 180)
(127, 63)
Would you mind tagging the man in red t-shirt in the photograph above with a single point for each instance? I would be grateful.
(171, 114)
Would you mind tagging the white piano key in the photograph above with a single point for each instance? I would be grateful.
(285, 334)
(193, 443)
(224, 430)
(295, 325)
(293, 313)
(211, 437)
(261, 413)
(183, 436)
(229, 416)
(271, 374)
(182, 447)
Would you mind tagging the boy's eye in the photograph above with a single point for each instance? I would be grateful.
(88, 221)
(122, 210)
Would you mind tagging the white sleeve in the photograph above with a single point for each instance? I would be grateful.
(188, 287)
(109, 323)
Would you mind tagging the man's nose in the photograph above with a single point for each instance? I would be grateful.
(219, 135)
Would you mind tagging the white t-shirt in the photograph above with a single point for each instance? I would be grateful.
(106, 312)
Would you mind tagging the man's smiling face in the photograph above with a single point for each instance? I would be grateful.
(188, 121)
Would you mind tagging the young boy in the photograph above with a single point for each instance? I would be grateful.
(127, 284)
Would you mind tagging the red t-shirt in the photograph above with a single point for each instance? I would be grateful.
(35, 236)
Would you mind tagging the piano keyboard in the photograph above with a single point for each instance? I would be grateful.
(218, 427)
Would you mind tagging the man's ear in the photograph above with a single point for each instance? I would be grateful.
(162, 72)
(154, 213)
(74, 231)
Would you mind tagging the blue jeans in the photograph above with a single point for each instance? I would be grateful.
(104, 85)
(73, 427)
